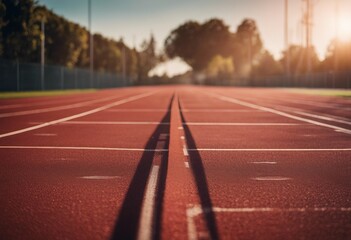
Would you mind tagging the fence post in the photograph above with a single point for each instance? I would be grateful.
(17, 76)
(75, 78)
(62, 78)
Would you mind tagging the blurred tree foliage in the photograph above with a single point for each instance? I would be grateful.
(338, 56)
(220, 68)
(298, 59)
(204, 46)
(66, 43)
(200, 44)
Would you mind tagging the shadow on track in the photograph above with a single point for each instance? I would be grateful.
(127, 224)
(201, 182)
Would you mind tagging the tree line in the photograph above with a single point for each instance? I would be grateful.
(212, 49)
(67, 43)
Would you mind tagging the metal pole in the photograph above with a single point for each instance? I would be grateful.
(91, 55)
(17, 75)
(336, 63)
(287, 60)
(62, 77)
(42, 54)
(75, 78)
(124, 63)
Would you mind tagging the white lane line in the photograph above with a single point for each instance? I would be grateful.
(113, 123)
(99, 177)
(180, 128)
(251, 105)
(320, 117)
(187, 164)
(191, 212)
(126, 100)
(197, 210)
(138, 110)
(263, 163)
(182, 137)
(51, 109)
(85, 148)
(219, 110)
(45, 134)
(271, 178)
(238, 124)
(185, 151)
(270, 149)
(146, 224)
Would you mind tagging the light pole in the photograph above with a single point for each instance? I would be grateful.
(286, 39)
(91, 45)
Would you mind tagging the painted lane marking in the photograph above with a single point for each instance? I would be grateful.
(251, 105)
(113, 123)
(51, 109)
(126, 100)
(187, 164)
(271, 178)
(268, 163)
(197, 210)
(180, 128)
(137, 110)
(99, 177)
(85, 148)
(192, 212)
(185, 151)
(314, 115)
(147, 218)
(182, 137)
(219, 110)
(238, 124)
(269, 149)
(45, 134)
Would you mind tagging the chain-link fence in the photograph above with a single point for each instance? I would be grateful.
(314, 80)
(17, 76)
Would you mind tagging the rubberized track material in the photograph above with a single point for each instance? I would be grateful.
(176, 162)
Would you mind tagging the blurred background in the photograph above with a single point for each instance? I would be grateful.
(48, 44)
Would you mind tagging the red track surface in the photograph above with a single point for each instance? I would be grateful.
(176, 162)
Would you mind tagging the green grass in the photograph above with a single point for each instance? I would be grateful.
(324, 92)
(42, 93)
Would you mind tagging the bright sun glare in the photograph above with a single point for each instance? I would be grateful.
(344, 31)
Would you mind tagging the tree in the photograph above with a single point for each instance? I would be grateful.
(220, 68)
(338, 56)
(198, 43)
(20, 36)
(147, 58)
(298, 59)
(246, 47)
(2, 24)
(266, 65)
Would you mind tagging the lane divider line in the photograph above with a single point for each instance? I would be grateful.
(113, 123)
(85, 148)
(126, 100)
(269, 149)
(313, 115)
(238, 124)
(185, 151)
(51, 109)
(277, 112)
(195, 210)
(45, 134)
(146, 224)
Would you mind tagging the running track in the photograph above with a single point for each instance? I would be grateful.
(176, 162)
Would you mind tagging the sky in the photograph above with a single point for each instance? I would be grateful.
(135, 20)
